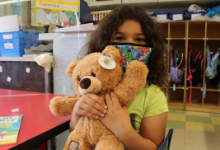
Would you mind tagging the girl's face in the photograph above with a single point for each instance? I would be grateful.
(130, 32)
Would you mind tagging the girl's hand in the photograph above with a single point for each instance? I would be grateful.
(90, 105)
(117, 118)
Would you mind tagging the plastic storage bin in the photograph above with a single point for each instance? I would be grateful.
(177, 16)
(162, 15)
(195, 14)
(12, 44)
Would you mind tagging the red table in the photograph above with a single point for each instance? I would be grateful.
(38, 124)
(7, 92)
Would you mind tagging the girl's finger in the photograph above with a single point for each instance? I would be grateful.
(87, 114)
(114, 99)
(96, 105)
(98, 100)
(91, 110)
(108, 100)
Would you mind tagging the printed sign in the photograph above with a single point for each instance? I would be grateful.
(8, 45)
(64, 5)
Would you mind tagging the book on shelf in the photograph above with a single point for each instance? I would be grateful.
(9, 129)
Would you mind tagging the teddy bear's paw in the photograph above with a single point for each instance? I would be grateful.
(137, 68)
(60, 106)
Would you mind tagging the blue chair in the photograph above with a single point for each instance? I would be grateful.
(166, 142)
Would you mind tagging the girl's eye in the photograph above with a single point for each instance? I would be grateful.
(79, 78)
(139, 39)
(93, 74)
(119, 38)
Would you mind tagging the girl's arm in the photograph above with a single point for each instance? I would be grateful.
(117, 119)
(152, 134)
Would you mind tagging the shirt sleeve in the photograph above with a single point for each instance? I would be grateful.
(156, 104)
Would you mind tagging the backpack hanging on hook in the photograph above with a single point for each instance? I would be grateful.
(194, 70)
(177, 68)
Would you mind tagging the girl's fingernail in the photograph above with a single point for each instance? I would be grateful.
(105, 106)
(102, 115)
(97, 117)
(105, 111)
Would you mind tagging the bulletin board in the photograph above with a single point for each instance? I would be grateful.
(41, 17)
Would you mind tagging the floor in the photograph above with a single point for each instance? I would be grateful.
(194, 130)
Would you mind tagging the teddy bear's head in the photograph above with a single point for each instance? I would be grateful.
(95, 74)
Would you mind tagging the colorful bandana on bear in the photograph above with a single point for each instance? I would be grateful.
(131, 52)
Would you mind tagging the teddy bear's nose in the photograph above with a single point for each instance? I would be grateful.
(85, 83)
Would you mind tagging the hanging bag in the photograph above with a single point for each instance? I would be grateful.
(177, 68)
(195, 70)
(211, 69)
(216, 69)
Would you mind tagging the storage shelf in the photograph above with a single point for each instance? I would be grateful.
(177, 38)
(175, 102)
(194, 104)
(213, 90)
(196, 38)
(199, 88)
(30, 59)
(178, 88)
(212, 38)
(199, 34)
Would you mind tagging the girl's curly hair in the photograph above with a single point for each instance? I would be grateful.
(108, 26)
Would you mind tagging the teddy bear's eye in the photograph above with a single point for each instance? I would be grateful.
(93, 74)
(79, 78)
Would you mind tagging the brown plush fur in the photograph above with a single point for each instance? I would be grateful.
(88, 132)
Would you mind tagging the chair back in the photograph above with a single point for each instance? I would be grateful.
(165, 145)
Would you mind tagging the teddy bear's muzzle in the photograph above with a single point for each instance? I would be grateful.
(89, 84)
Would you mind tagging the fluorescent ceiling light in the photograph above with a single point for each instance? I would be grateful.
(11, 1)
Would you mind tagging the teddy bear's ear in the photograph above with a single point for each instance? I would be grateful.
(112, 52)
(71, 66)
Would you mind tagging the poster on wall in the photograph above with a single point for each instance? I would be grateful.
(65, 5)
(16, 4)
(2, 10)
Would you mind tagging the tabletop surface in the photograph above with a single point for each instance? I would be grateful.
(37, 122)
(7, 92)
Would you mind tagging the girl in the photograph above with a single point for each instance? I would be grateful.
(144, 128)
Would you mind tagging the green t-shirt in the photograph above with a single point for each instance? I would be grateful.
(150, 101)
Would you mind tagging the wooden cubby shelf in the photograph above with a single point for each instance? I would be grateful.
(179, 35)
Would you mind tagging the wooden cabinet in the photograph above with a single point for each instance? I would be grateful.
(199, 34)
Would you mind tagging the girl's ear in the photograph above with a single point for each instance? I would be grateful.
(72, 65)
(112, 52)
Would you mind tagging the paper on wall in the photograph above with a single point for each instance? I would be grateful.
(52, 18)
(10, 23)
(2, 10)
(63, 17)
(41, 16)
(32, 19)
(162, 16)
(17, 11)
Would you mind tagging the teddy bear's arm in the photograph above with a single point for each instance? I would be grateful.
(133, 81)
(62, 106)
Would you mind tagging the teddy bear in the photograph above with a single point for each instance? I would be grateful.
(99, 73)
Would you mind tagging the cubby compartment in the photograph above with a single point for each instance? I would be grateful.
(198, 46)
(212, 99)
(196, 29)
(178, 29)
(176, 96)
(179, 45)
(214, 45)
(213, 29)
(196, 96)
(164, 28)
